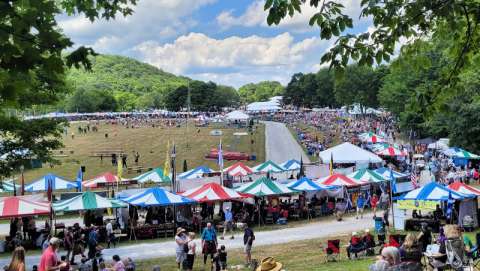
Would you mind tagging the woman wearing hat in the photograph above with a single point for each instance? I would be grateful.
(269, 264)
(180, 240)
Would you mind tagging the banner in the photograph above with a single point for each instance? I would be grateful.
(423, 205)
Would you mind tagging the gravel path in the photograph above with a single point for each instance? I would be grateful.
(280, 145)
(167, 248)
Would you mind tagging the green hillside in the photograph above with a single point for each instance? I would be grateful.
(131, 83)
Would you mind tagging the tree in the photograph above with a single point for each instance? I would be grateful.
(260, 92)
(294, 93)
(393, 21)
(176, 99)
(126, 101)
(325, 85)
(32, 70)
(91, 100)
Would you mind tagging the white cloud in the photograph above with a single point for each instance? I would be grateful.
(152, 19)
(234, 60)
(255, 15)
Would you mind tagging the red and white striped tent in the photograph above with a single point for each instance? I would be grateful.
(238, 169)
(23, 206)
(391, 151)
(339, 180)
(105, 178)
(213, 192)
(464, 189)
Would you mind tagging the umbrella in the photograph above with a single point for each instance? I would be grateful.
(238, 169)
(87, 201)
(291, 165)
(197, 172)
(23, 206)
(339, 180)
(156, 196)
(268, 166)
(56, 182)
(264, 187)
(366, 175)
(464, 189)
(433, 191)
(105, 178)
(213, 192)
(155, 175)
(305, 184)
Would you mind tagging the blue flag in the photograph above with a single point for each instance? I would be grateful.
(393, 182)
(79, 180)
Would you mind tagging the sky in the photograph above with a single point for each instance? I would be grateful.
(224, 41)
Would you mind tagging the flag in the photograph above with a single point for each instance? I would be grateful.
(414, 180)
(166, 167)
(49, 188)
(302, 171)
(79, 180)
(331, 163)
(220, 156)
(119, 170)
(393, 182)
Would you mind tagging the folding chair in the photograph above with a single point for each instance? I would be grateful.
(456, 257)
(332, 251)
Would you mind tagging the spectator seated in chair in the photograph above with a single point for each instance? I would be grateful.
(369, 242)
(410, 252)
(355, 245)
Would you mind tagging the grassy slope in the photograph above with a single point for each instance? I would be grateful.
(151, 143)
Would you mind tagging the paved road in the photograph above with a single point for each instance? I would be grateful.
(167, 248)
(280, 145)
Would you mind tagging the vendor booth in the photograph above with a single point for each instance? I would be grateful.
(155, 176)
(51, 181)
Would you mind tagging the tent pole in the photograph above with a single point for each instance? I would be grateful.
(391, 206)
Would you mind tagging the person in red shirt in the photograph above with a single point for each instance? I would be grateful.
(373, 203)
(356, 245)
(49, 261)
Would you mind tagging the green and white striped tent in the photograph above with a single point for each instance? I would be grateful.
(268, 166)
(155, 175)
(7, 186)
(460, 153)
(87, 201)
(264, 187)
(366, 175)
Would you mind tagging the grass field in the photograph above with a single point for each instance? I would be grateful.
(151, 143)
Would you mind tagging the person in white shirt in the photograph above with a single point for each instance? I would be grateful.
(110, 234)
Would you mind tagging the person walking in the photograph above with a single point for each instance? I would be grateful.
(68, 242)
(180, 240)
(49, 260)
(360, 205)
(209, 242)
(18, 260)
(248, 238)
(374, 203)
(92, 243)
(110, 234)
(228, 224)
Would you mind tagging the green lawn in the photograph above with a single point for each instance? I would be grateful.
(151, 143)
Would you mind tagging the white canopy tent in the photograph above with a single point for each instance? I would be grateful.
(347, 153)
(237, 116)
(270, 106)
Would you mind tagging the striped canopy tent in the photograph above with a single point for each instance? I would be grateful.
(155, 175)
(87, 201)
(366, 175)
(56, 183)
(268, 166)
(213, 192)
(460, 153)
(385, 173)
(464, 189)
(291, 165)
(157, 196)
(338, 179)
(238, 169)
(264, 187)
(433, 191)
(370, 137)
(307, 185)
(105, 178)
(8, 186)
(391, 151)
(23, 206)
(195, 172)
(383, 145)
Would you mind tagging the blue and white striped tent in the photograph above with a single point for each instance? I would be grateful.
(195, 173)
(156, 196)
(385, 173)
(433, 191)
(57, 183)
(291, 165)
(305, 184)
